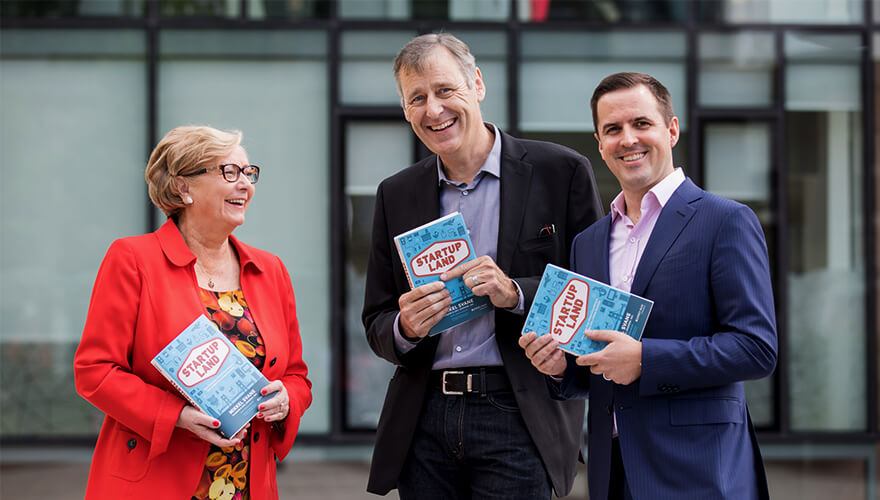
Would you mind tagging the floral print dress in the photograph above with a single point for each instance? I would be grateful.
(226, 470)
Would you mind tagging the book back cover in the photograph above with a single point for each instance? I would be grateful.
(431, 249)
(566, 304)
(213, 375)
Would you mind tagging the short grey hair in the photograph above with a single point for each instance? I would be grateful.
(413, 55)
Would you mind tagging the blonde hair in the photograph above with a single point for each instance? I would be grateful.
(182, 151)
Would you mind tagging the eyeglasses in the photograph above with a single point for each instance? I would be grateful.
(231, 171)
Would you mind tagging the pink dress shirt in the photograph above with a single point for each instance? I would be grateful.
(627, 241)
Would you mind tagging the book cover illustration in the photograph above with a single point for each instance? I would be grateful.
(433, 248)
(566, 304)
(213, 375)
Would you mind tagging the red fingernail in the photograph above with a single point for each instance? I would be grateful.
(262, 407)
(263, 392)
(216, 423)
(259, 415)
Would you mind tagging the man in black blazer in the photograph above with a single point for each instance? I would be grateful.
(466, 415)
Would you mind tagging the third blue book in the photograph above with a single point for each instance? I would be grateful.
(566, 304)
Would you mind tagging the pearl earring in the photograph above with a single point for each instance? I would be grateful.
(188, 199)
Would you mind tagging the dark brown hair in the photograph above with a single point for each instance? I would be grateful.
(621, 81)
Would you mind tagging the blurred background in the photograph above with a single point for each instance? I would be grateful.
(779, 109)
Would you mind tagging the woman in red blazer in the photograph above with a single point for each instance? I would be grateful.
(153, 444)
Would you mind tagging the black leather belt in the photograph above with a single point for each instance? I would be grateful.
(471, 380)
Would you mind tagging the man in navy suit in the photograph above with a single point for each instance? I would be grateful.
(667, 414)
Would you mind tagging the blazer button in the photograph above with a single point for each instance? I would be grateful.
(272, 363)
(131, 443)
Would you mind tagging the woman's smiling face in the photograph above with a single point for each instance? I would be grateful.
(217, 200)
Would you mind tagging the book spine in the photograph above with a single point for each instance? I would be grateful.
(177, 386)
(404, 262)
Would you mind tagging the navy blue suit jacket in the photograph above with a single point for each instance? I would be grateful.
(685, 431)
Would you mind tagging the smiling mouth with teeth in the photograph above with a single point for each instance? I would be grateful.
(236, 202)
(634, 156)
(443, 126)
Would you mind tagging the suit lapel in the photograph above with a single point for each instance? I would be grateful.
(515, 176)
(603, 273)
(673, 219)
(422, 203)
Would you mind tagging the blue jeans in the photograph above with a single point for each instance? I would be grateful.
(472, 447)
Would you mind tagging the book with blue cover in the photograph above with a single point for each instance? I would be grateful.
(213, 375)
(566, 304)
(434, 248)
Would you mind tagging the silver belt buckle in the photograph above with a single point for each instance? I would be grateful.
(454, 393)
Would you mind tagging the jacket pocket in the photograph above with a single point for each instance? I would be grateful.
(537, 244)
(705, 411)
(129, 455)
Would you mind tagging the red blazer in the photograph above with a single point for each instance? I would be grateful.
(146, 293)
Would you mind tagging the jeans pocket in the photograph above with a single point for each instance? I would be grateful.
(503, 400)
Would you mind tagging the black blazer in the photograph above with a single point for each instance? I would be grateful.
(541, 184)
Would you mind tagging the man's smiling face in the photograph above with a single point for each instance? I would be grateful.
(634, 139)
(443, 111)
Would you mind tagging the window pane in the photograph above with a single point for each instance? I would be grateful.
(826, 276)
(737, 162)
(199, 8)
(490, 51)
(627, 11)
(69, 8)
(374, 9)
(781, 11)
(373, 151)
(479, 10)
(285, 9)
(736, 70)
(876, 70)
(738, 166)
(202, 44)
(560, 70)
(366, 74)
(73, 122)
(455, 10)
(823, 72)
(279, 102)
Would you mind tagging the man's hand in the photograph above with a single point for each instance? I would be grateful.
(484, 277)
(620, 361)
(543, 353)
(423, 307)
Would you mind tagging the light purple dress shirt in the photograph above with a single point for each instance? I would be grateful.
(627, 241)
(472, 343)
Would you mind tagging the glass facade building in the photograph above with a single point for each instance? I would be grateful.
(779, 104)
